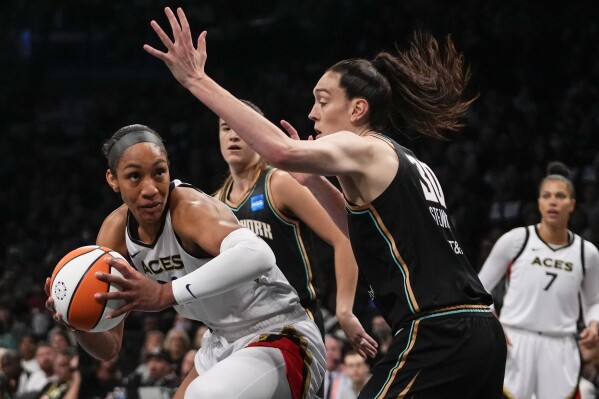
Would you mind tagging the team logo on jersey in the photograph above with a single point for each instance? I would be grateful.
(259, 228)
(553, 263)
(163, 264)
(257, 202)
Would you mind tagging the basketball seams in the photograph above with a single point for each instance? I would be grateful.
(73, 284)
(92, 267)
(74, 254)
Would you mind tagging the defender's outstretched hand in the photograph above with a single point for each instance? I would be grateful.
(185, 61)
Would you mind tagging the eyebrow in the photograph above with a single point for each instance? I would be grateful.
(318, 91)
(138, 166)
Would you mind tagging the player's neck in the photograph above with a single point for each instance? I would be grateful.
(553, 234)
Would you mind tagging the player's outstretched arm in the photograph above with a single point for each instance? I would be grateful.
(336, 156)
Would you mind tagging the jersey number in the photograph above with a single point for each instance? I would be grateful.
(552, 276)
(428, 181)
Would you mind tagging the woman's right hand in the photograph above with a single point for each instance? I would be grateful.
(50, 302)
(185, 61)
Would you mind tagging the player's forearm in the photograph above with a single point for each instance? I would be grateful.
(346, 277)
(101, 345)
(263, 136)
(243, 258)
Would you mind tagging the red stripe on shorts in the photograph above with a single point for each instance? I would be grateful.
(294, 362)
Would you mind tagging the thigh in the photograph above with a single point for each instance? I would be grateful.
(558, 368)
(255, 372)
(521, 364)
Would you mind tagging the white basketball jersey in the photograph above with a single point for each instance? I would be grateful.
(165, 260)
(544, 285)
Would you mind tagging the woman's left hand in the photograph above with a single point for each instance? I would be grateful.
(138, 291)
(361, 342)
(590, 335)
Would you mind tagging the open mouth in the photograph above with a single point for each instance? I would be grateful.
(233, 147)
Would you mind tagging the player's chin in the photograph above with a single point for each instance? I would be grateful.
(150, 214)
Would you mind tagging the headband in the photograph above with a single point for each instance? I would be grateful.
(131, 139)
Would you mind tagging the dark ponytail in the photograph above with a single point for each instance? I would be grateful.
(418, 91)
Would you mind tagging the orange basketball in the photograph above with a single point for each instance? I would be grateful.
(74, 283)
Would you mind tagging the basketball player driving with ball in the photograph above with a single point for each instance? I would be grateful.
(190, 252)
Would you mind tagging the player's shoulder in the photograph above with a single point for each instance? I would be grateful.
(188, 203)
(517, 233)
(190, 197)
(280, 178)
(590, 248)
(117, 218)
(112, 231)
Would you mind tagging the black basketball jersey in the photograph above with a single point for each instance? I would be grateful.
(406, 249)
(287, 236)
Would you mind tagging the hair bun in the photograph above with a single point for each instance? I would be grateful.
(558, 168)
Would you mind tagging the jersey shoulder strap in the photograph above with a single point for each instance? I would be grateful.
(527, 234)
(584, 269)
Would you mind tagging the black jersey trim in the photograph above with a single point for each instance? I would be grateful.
(378, 223)
(570, 240)
(132, 224)
(295, 224)
(523, 245)
(584, 269)
(401, 361)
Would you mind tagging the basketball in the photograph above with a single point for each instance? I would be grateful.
(74, 283)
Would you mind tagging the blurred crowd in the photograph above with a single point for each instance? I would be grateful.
(73, 72)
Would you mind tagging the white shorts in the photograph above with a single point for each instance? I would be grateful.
(297, 344)
(547, 366)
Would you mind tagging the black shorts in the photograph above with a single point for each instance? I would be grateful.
(446, 356)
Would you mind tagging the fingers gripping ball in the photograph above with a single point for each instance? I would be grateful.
(74, 283)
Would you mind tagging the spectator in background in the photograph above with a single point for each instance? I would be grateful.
(10, 329)
(176, 343)
(187, 363)
(27, 349)
(45, 355)
(14, 380)
(358, 371)
(153, 339)
(551, 270)
(60, 339)
(161, 374)
(68, 377)
(335, 380)
(100, 379)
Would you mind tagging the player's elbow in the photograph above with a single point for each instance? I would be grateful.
(262, 256)
(280, 157)
(256, 254)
